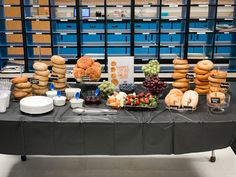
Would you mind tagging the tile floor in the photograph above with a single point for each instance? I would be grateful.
(188, 165)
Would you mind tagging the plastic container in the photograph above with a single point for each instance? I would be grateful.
(3, 102)
(76, 103)
(70, 92)
(51, 93)
(91, 98)
(59, 100)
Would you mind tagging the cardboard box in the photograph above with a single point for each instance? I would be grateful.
(41, 38)
(12, 12)
(44, 51)
(41, 25)
(14, 38)
(15, 51)
(13, 25)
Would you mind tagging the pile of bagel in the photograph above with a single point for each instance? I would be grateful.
(202, 71)
(216, 77)
(86, 66)
(177, 98)
(59, 70)
(41, 73)
(181, 68)
(22, 87)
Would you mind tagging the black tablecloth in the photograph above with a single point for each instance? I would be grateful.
(62, 132)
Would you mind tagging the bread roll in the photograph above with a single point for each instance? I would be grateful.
(23, 85)
(39, 66)
(43, 73)
(58, 60)
(19, 79)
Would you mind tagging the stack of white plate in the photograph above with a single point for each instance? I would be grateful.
(36, 105)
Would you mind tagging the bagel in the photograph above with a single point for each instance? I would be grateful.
(218, 74)
(201, 91)
(28, 90)
(181, 71)
(202, 77)
(182, 80)
(61, 89)
(43, 73)
(190, 98)
(202, 86)
(214, 84)
(40, 78)
(185, 66)
(178, 75)
(23, 85)
(60, 76)
(59, 70)
(19, 79)
(58, 60)
(40, 66)
(59, 66)
(197, 82)
(43, 83)
(205, 65)
(35, 86)
(184, 89)
(218, 89)
(174, 98)
(62, 80)
(219, 95)
(59, 85)
(40, 91)
(180, 84)
(199, 71)
(216, 80)
(176, 92)
(180, 61)
(19, 94)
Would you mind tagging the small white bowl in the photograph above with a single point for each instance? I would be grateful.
(59, 100)
(70, 92)
(51, 93)
(74, 103)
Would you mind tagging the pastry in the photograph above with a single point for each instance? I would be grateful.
(58, 60)
(178, 75)
(190, 98)
(197, 82)
(60, 76)
(59, 85)
(28, 90)
(180, 84)
(203, 77)
(219, 95)
(39, 66)
(40, 91)
(180, 62)
(201, 91)
(19, 79)
(23, 85)
(44, 73)
(40, 78)
(199, 71)
(19, 94)
(216, 80)
(218, 74)
(174, 98)
(59, 66)
(205, 65)
(85, 62)
(185, 66)
(59, 70)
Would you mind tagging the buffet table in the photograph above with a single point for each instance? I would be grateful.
(62, 132)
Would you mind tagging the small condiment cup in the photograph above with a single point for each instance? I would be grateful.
(76, 103)
(59, 100)
(51, 93)
(3, 102)
(70, 92)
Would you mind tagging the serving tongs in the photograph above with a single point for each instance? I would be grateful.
(94, 111)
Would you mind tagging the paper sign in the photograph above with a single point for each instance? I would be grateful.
(121, 70)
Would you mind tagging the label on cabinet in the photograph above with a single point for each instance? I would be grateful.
(121, 70)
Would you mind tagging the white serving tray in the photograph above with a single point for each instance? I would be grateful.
(36, 105)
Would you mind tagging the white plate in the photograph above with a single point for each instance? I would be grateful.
(36, 105)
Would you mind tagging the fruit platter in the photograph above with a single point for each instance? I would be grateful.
(140, 101)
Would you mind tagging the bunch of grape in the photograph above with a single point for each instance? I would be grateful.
(107, 88)
(127, 88)
(154, 85)
(152, 68)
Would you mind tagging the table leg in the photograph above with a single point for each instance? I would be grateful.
(23, 158)
(213, 157)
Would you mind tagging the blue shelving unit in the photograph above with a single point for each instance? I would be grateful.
(145, 29)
